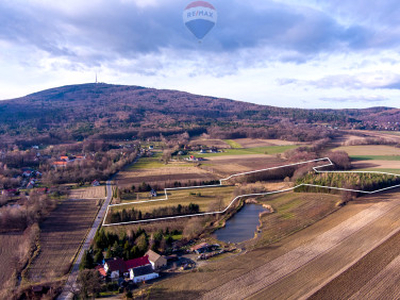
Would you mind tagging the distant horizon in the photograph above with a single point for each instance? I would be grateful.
(205, 95)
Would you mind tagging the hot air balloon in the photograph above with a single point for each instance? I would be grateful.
(200, 17)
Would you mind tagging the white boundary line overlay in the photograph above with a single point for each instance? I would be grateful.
(315, 169)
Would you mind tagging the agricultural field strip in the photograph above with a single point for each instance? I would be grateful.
(264, 276)
(347, 266)
(316, 169)
(377, 286)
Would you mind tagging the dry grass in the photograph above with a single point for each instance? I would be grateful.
(206, 199)
(60, 238)
(210, 143)
(250, 143)
(13, 247)
(163, 175)
(232, 164)
(367, 150)
(94, 192)
(293, 212)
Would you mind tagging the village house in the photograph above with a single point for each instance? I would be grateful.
(142, 274)
(95, 183)
(59, 164)
(153, 193)
(117, 268)
(157, 261)
(64, 158)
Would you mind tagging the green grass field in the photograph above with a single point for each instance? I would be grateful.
(375, 157)
(293, 212)
(233, 144)
(248, 151)
(209, 199)
(154, 162)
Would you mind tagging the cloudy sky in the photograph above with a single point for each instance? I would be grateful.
(293, 53)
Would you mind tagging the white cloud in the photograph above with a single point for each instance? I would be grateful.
(289, 53)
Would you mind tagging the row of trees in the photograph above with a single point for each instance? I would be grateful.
(365, 182)
(166, 211)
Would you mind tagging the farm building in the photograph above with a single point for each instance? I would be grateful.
(157, 261)
(117, 267)
(200, 248)
(143, 273)
(95, 183)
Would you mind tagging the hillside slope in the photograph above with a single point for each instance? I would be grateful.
(76, 112)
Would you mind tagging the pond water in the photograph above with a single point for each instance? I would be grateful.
(242, 225)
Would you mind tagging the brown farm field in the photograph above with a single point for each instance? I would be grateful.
(377, 165)
(232, 164)
(12, 248)
(251, 143)
(367, 150)
(94, 192)
(60, 238)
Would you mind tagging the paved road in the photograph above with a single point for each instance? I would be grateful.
(67, 294)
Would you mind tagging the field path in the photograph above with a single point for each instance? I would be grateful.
(295, 273)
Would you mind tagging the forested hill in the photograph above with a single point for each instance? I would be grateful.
(101, 110)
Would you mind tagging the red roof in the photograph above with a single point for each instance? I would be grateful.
(199, 246)
(137, 262)
(116, 265)
(124, 266)
(101, 271)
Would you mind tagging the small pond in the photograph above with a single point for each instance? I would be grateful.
(242, 225)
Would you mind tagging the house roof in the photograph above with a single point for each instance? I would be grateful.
(140, 271)
(122, 266)
(137, 262)
(101, 271)
(153, 256)
(116, 264)
(199, 246)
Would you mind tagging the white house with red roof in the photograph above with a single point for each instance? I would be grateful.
(117, 267)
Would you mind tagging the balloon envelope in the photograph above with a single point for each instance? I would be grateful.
(200, 17)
